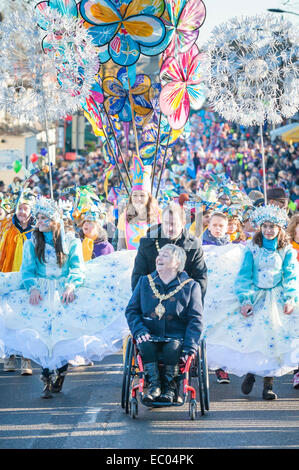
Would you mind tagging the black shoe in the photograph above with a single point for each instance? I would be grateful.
(247, 384)
(154, 383)
(57, 385)
(268, 393)
(46, 393)
(169, 394)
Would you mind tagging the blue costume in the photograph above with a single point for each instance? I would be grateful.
(267, 342)
(52, 333)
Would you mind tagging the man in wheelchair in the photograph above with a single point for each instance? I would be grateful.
(164, 315)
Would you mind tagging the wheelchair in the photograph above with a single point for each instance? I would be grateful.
(134, 382)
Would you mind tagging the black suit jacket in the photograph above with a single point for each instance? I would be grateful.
(145, 261)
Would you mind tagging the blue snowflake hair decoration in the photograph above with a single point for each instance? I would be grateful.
(269, 213)
(66, 208)
(95, 214)
(47, 207)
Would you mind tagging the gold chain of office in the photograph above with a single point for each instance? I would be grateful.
(160, 309)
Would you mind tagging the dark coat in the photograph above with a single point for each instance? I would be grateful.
(209, 239)
(145, 261)
(182, 318)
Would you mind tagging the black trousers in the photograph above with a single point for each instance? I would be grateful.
(168, 352)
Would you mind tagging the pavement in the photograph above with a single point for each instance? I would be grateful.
(87, 415)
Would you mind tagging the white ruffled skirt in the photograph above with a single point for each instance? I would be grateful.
(52, 333)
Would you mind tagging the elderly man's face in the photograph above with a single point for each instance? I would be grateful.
(23, 213)
(172, 225)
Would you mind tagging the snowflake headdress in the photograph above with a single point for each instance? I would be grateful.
(47, 207)
(269, 213)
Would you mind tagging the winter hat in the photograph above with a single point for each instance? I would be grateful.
(276, 193)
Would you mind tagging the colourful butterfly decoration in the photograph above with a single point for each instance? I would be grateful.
(150, 136)
(182, 19)
(124, 29)
(154, 114)
(118, 102)
(182, 86)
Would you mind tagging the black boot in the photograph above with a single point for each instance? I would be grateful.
(268, 394)
(59, 379)
(247, 383)
(169, 384)
(46, 377)
(154, 383)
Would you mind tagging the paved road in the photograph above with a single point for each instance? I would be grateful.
(87, 414)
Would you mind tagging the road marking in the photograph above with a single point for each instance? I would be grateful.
(93, 412)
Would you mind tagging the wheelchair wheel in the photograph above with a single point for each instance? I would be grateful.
(203, 378)
(205, 375)
(127, 376)
(200, 382)
(133, 408)
(192, 409)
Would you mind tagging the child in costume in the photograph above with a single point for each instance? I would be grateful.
(259, 331)
(95, 240)
(142, 209)
(51, 311)
(234, 230)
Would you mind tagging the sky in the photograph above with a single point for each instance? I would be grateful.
(219, 11)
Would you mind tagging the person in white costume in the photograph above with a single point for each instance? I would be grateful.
(255, 327)
(58, 306)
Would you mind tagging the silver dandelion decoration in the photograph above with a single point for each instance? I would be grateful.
(33, 82)
(253, 70)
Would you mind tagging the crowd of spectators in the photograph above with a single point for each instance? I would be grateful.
(211, 147)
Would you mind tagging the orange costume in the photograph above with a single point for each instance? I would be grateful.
(12, 246)
(296, 247)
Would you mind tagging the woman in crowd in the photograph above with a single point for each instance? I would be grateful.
(171, 329)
